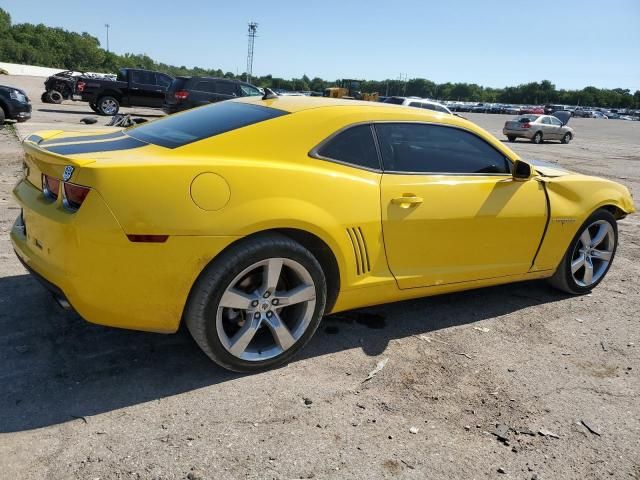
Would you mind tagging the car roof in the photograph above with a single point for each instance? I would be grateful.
(294, 104)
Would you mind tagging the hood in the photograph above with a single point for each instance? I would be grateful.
(562, 115)
(548, 169)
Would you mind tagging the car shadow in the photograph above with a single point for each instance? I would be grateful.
(92, 113)
(55, 367)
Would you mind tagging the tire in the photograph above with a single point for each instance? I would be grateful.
(2, 117)
(512, 139)
(567, 138)
(241, 268)
(55, 97)
(44, 98)
(568, 281)
(537, 138)
(94, 107)
(107, 105)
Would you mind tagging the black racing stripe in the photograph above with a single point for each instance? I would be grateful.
(86, 138)
(34, 138)
(124, 144)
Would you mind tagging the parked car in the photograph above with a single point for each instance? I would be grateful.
(132, 88)
(598, 114)
(62, 85)
(14, 104)
(540, 128)
(511, 109)
(188, 92)
(529, 109)
(549, 109)
(239, 218)
(418, 103)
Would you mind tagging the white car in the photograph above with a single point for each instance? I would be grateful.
(418, 103)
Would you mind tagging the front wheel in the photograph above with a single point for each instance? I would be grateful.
(257, 304)
(589, 255)
(566, 138)
(55, 97)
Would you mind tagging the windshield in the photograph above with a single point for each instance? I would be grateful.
(204, 122)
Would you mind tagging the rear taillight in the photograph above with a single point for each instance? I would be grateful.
(80, 86)
(526, 125)
(181, 95)
(74, 195)
(50, 187)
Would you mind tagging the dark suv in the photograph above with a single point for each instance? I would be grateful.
(188, 92)
(14, 104)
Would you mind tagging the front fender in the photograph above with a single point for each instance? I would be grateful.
(573, 198)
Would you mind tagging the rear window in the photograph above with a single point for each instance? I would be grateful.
(394, 100)
(197, 124)
(527, 118)
(178, 84)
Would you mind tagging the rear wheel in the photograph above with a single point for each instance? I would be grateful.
(537, 138)
(589, 255)
(257, 304)
(2, 117)
(55, 97)
(108, 105)
(567, 138)
(511, 138)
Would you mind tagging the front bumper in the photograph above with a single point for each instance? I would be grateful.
(107, 279)
(19, 110)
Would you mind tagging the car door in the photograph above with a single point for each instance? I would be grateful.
(142, 88)
(226, 90)
(556, 126)
(451, 211)
(203, 92)
(162, 82)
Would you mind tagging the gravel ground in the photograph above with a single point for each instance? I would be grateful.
(472, 380)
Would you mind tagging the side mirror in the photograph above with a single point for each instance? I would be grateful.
(521, 170)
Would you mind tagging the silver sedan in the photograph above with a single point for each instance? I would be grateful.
(539, 128)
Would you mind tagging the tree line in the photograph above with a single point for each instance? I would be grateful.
(45, 46)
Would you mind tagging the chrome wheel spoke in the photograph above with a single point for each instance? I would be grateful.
(588, 272)
(603, 230)
(601, 255)
(271, 275)
(577, 263)
(280, 331)
(303, 293)
(585, 238)
(240, 341)
(233, 298)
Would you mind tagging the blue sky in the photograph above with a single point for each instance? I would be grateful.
(489, 42)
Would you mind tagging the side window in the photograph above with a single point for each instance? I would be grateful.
(163, 80)
(143, 78)
(415, 104)
(555, 121)
(205, 86)
(249, 91)
(355, 146)
(429, 106)
(226, 88)
(422, 148)
(546, 121)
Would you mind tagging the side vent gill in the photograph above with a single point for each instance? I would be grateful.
(359, 250)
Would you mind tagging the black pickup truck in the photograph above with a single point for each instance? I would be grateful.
(132, 88)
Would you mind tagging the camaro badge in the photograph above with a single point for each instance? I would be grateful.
(68, 171)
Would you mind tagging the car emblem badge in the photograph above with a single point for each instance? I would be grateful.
(68, 171)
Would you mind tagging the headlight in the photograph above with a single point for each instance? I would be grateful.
(17, 95)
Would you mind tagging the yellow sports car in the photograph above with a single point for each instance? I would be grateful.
(250, 219)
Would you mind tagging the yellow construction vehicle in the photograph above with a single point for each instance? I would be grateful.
(348, 88)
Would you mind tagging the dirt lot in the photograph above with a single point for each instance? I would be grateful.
(81, 401)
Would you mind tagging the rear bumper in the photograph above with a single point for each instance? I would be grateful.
(171, 108)
(86, 259)
(528, 133)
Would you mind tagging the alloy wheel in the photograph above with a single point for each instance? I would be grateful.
(593, 253)
(266, 309)
(109, 106)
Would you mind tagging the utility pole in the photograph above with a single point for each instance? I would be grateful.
(253, 28)
(107, 27)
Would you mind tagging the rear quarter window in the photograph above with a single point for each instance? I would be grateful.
(200, 123)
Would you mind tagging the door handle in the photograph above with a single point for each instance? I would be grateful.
(407, 201)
